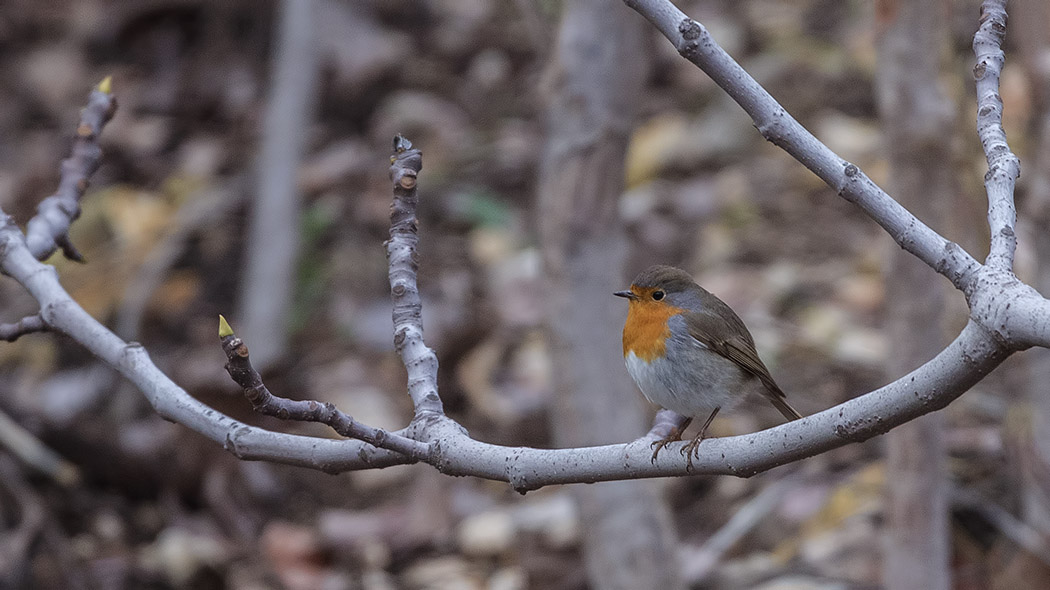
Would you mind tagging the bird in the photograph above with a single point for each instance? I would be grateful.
(690, 353)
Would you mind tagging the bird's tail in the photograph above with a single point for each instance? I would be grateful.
(784, 407)
(777, 397)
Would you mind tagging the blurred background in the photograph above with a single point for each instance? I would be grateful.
(245, 173)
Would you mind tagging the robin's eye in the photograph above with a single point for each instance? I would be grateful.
(658, 295)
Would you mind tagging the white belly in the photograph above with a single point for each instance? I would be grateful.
(694, 392)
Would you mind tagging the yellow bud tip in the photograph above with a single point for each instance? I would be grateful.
(106, 85)
(224, 327)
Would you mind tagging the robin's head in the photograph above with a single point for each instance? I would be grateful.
(660, 285)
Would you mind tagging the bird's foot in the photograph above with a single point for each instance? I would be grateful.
(674, 436)
(692, 448)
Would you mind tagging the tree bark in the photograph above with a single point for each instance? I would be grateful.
(598, 72)
(917, 118)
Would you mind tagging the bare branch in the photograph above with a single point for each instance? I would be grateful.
(420, 361)
(48, 230)
(975, 352)
(1003, 165)
(775, 124)
(1006, 315)
(26, 325)
(929, 388)
(240, 368)
(172, 402)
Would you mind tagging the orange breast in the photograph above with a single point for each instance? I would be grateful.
(645, 332)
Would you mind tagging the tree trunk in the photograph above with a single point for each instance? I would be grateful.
(1032, 19)
(597, 72)
(918, 118)
(272, 248)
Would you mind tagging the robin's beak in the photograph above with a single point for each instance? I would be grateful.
(626, 295)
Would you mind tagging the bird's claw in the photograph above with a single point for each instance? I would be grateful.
(658, 445)
(691, 449)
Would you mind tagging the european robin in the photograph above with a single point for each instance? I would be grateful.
(690, 353)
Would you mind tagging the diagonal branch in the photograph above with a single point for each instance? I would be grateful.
(172, 402)
(1003, 165)
(239, 366)
(775, 124)
(48, 230)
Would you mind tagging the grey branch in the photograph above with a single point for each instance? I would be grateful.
(775, 124)
(172, 402)
(48, 230)
(1003, 165)
(26, 325)
(239, 366)
(419, 360)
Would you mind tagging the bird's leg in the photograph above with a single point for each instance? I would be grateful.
(673, 436)
(693, 447)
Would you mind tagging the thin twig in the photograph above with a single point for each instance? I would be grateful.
(419, 360)
(240, 368)
(26, 325)
(48, 230)
(1003, 165)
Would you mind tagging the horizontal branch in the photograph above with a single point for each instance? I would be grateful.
(973, 354)
(27, 325)
(775, 124)
(48, 230)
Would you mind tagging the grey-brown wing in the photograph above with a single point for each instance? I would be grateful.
(727, 335)
(724, 332)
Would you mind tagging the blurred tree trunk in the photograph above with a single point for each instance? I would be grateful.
(918, 119)
(271, 252)
(597, 74)
(1032, 21)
